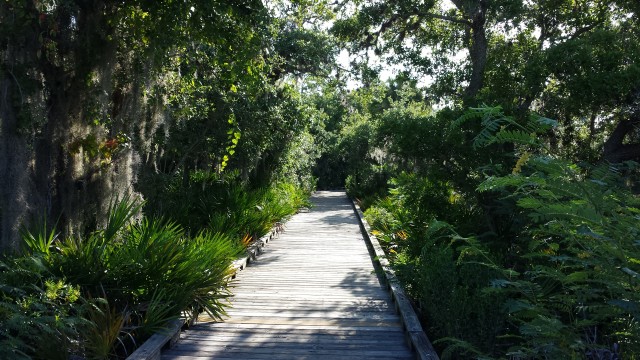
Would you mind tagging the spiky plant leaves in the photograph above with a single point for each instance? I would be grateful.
(223, 203)
(151, 271)
(83, 261)
(107, 324)
(155, 314)
(40, 238)
(121, 212)
(211, 256)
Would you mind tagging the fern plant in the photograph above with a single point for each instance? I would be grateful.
(574, 293)
(541, 261)
(496, 127)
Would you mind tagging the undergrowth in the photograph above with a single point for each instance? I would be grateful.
(542, 261)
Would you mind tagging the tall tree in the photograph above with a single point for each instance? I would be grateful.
(80, 86)
(571, 60)
(405, 29)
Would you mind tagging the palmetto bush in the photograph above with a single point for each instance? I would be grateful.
(223, 203)
(136, 276)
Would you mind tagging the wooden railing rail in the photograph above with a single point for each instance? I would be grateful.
(416, 336)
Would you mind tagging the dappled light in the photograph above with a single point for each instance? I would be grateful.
(151, 150)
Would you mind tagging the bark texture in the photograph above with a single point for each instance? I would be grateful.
(615, 149)
(56, 80)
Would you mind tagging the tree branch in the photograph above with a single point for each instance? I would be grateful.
(583, 30)
(448, 18)
(614, 150)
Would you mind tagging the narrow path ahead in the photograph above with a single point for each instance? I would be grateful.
(312, 294)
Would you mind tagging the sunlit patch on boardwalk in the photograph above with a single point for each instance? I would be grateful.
(312, 294)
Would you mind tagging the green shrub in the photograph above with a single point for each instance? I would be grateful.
(223, 204)
(541, 261)
(573, 290)
(450, 293)
(40, 314)
(576, 289)
(101, 295)
(137, 276)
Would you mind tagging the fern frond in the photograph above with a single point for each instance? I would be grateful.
(515, 136)
(471, 114)
(495, 183)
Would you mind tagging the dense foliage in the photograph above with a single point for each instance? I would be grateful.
(512, 225)
(100, 296)
(515, 235)
(100, 97)
(556, 276)
(192, 106)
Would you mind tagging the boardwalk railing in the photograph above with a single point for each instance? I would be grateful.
(416, 336)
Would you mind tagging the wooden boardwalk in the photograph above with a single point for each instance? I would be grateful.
(312, 294)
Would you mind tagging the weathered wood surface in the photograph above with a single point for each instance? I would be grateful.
(151, 349)
(312, 294)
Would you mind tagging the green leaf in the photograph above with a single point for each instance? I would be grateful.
(630, 272)
(626, 305)
(514, 306)
(530, 203)
(577, 276)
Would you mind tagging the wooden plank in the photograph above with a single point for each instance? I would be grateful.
(261, 344)
(285, 357)
(378, 315)
(289, 321)
(422, 346)
(245, 353)
(388, 338)
(323, 303)
(151, 348)
(295, 327)
(207, 329)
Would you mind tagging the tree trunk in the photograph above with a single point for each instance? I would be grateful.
(16, 189)
(615, 150)
(39, 174)
(475, 11)
(477, 51)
